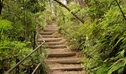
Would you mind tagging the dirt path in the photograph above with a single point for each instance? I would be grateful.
(61, 60)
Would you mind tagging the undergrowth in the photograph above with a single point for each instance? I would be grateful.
(101, 38)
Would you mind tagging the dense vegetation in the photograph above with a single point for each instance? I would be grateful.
(101, 37)
(17, 26)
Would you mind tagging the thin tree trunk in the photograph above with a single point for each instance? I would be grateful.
(82, 4)
(1, 6)
(69, 11)
(121, 10)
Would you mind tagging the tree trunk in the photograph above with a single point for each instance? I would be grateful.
(77, 17)
(1, 6)
(82, 4)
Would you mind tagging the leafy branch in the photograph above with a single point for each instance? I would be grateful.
(82, 21)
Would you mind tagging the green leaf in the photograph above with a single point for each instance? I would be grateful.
(5, 24)
(117, 65)
(102, 69)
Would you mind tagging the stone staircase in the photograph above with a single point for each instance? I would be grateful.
(60, 60)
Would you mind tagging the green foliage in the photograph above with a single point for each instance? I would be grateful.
(22, 19)
(118, 65)
(10, 51)
(18, 49)
(17, 23)
(102, 69)
(35, 5)
(5, 25)
(101, 38)
(40, 19)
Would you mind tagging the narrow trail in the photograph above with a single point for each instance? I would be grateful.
(60, 60)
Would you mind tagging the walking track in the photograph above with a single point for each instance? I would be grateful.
(60, 60)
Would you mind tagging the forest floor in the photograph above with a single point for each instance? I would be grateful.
(61, 59)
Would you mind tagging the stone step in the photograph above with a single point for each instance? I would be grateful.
(50, 30)
(46, 33)
(54, 43)
(67, 67)
(61, 54)
(50, 36)
(56, 33)
(68, 72)
(58, 50)
(60, 60)
(56, 46)
(51, 26)
(64, 61)
(50, 39)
